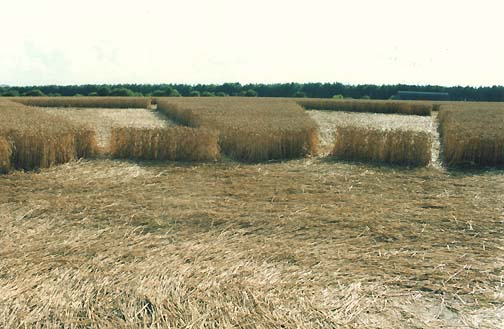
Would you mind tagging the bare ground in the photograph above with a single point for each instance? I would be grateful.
(102, 120)
(301, 244)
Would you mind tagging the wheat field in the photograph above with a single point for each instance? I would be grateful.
(329, 121)
(142, 238)
(142, 134)
(255, 130)
(250, 130)
(86, 102)
(40, 140)
(103, 120)
(472, 134)
(165, 144)
(5, 155)
(398, 147)
(374, 106)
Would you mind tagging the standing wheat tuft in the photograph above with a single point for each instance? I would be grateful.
(5, 155)
(250, 130)
(40, 140)
(173, 144)
(472, 134)
(398, 147)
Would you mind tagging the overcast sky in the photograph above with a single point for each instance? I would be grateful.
(195, 41)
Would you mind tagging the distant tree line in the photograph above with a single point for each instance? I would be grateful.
(312, 90)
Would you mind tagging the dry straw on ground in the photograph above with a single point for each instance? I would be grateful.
(40, 140)
(374, 106)
(400, 147)
(249, 129)
(473, 134)
(298, 244)
(91, 102)
(177, 143)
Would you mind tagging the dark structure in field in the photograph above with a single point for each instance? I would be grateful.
(421, 95)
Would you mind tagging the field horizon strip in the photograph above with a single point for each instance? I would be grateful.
(85, 101)
(371, 106)
(254, 130)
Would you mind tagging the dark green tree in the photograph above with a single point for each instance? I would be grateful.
(158, 93)
(299, 94)
(11, 93)
(250, 93)
(121, 92)
(34, 93)
(175, 93)
(104, 91)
